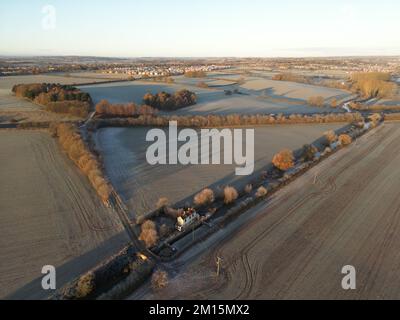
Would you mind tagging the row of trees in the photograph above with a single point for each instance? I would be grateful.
(285, 159)
(168, 102)
(107, 109)
(375, 107)
(199, 121)
(56, 98)
(71, 141)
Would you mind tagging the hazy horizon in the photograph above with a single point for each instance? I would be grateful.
(177, 29)
(196, 57)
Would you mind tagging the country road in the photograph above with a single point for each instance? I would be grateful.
(294, 246)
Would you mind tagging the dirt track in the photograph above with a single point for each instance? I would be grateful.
(297, 244)
(48, 215)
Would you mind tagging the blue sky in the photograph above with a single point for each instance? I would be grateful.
(201, 28)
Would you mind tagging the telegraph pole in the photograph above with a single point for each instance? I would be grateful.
(218, 262)
(315, 178)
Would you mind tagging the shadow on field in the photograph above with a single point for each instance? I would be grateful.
(70, 269)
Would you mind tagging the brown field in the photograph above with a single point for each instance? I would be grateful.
(295, 245)
(49, 215)
(141, 185)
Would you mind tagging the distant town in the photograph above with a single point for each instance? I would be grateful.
(157, 67)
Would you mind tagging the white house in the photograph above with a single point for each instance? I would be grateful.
(187, 218)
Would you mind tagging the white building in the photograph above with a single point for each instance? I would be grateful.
(187, 218)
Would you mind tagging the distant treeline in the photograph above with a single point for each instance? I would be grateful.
(198, 121)
(168, 102)
(56, 98)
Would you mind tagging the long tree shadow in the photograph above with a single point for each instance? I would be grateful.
(70, 269)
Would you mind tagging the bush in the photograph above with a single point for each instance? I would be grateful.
(261, 192)
(316, 101)
(204, 197)
(85, 285)
(202, 84)
(164, 231)
(330, 136)
(283, 160)
(171, 212)
(308, 152)
(376, 117)
(159, 280)
(327, 151)
(230, 195)
(149, 233)
(344, 139)
(162, 203)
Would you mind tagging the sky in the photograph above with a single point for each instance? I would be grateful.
(206, 28)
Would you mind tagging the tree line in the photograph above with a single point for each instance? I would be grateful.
(56, 98)
(71, 141)
(106, 109)
(214, 120)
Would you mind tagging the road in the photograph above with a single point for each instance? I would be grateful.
(294, 246)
